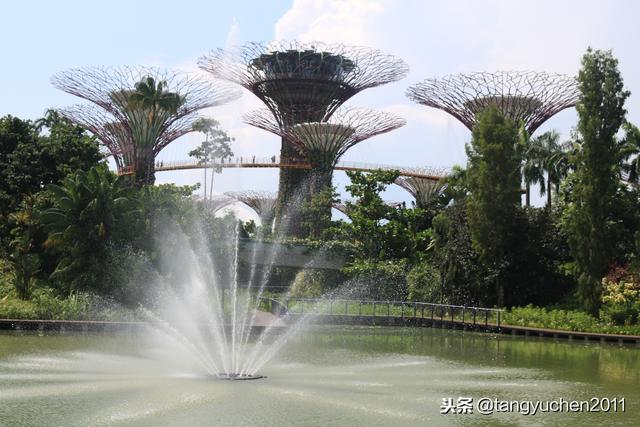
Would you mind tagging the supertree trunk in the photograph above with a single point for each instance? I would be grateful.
(301, 83)
(319, 144)
(293, 192)
(320, 181)
(144, 172)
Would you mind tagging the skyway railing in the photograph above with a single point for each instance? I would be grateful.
(275, 162)
(456, 314)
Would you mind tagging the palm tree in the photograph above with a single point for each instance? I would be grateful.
(554, 161)
(148, 108)
(531, 168)
(630, 153)
(90, 210)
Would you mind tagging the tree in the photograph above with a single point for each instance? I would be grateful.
(33, 155)
(315, 217)
(531, 169)
(631, 153)
(494, 181)
(587, 217)
(215, 146)
(23, 257)
(91, 210)
(149, 107)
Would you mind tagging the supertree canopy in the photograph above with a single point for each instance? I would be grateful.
(424, 190)
(525, 96)
(303, 81)
(323, 143)
(300, 83)
(263, 203)
(137, 111)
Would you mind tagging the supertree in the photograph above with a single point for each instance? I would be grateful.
(137, 111)
(218, 201)
(262, 202)
(526, 96)
(323, 143)
(300, 83)
(424, 190)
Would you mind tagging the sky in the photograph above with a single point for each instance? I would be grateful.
(436, 38)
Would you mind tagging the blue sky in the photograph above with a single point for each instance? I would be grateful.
(436, 38)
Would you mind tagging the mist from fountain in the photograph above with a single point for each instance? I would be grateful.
(207, 316)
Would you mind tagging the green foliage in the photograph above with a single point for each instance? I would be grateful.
(494, 181)
(379, 280)
(630, 151)
(464, 278)
(621, 297)
(309, 284)
(534, 274)
(456, 186)
(570, 320)
(588, 220)
(377, 230)
(215, 146)
(424, 283)
(90, 210)
(33, 155)
(316, 213)
(148, 109)
(23, 258)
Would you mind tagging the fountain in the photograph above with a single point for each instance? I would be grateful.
(209, 340)
(207, 309)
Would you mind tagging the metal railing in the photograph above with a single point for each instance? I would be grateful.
(274, 161)
(443, 313)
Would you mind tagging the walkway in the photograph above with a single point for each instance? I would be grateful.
(274, 162)
(420, 314)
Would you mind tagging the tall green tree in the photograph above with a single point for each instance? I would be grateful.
(35, 154)
(494, 182)
(587, 218)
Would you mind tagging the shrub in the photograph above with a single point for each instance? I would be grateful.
(380, 280)
(424, 283)
(620, 297)
(573, 320)
(308, 284)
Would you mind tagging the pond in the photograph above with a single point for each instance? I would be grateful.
(329, 376)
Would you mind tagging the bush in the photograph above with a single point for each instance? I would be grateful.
(620, 297)
(308, 284)
(573, 320)
(424, 283)
(379, 280)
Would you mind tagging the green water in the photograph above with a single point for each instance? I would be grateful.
(327, 377)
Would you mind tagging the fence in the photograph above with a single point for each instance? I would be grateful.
(443, 313)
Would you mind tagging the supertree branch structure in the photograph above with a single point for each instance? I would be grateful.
(298, 83)
(116, 135)
(263, 203)
(527, 96)
(323, 143)
(425, 191)
(303, 79)
(144, 108)
(218, 202)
